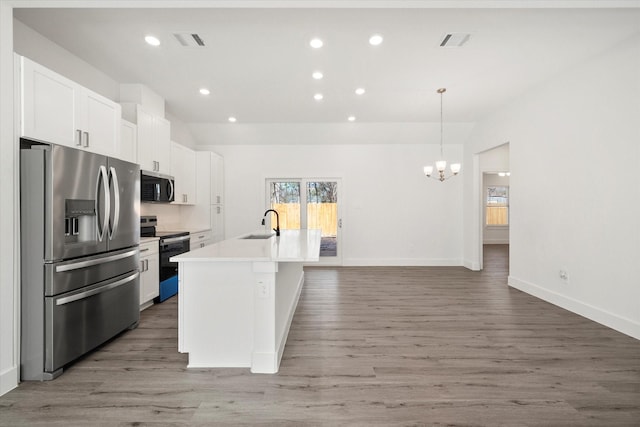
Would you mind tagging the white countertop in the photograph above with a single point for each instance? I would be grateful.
(290, 246)
(190, 230)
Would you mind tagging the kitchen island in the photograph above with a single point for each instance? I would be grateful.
(237, 298)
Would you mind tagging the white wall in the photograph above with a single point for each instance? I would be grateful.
(392, 214)
(9, 320)
(33, 45)
(575, 181)
(180, 132)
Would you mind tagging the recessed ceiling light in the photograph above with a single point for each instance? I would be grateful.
(375, 40)
(205, 91)
(153, 41)
(359, 91)
(232, 119)
(317, 75)
(352, 118)
(318, 97)
(316, 43)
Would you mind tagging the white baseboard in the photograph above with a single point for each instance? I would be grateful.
(496, 241)
(611, 320)
(402, 262)
(471, 265)
(9, 379)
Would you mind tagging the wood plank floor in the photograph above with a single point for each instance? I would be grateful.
(368, 346)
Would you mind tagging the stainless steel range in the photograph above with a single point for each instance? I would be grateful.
(79, 254)
(171, 243)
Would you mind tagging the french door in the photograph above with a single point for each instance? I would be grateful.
(311, 204)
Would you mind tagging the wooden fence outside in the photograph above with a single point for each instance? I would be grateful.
(319, 215)
(497, 215)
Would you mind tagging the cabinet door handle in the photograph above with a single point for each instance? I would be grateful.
(86, 139)
(218, 209)
(146, 265)
(218, 199)
(141, 266)
(144, 250)
(78, 137)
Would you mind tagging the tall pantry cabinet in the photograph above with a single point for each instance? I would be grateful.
(217, 197)
(209, 210)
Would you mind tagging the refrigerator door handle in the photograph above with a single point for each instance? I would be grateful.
(102, 175)
(92, 262)
(101, 289)
(116, 193)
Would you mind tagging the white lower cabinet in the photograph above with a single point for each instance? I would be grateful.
(149, 273)
(201, 239)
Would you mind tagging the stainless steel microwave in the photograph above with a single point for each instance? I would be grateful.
(156, 187)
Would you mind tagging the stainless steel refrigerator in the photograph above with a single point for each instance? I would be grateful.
(80, 229)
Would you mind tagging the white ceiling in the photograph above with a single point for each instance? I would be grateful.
(258, 63)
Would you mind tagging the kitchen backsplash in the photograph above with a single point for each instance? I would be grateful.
(175, 217)
(168, 215)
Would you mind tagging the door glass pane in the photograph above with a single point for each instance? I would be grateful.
(322, 213)
(285, 198)
(497, 205)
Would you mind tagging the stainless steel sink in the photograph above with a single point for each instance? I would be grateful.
(258, 236)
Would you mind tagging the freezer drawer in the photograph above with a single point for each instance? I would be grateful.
(70, 275)
(81, 320)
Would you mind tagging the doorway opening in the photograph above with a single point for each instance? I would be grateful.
(494, 210)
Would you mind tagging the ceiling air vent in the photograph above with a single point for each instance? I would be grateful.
(454, 39)
(189, 39)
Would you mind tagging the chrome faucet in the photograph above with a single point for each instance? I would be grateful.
(277, 229)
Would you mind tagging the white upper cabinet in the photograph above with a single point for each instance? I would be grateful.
(102, 124)
(154, 138)
(183, 169)
(58, 110)
(128, 142)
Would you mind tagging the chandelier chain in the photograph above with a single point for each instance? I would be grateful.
(441, 125)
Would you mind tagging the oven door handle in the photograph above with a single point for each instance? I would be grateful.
(174, 239)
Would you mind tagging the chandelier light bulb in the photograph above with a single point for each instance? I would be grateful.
(441, 165)
(455, 168)
(428, 170)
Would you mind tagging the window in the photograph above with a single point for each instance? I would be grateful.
(497, 205)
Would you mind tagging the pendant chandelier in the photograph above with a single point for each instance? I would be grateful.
(441, 165)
